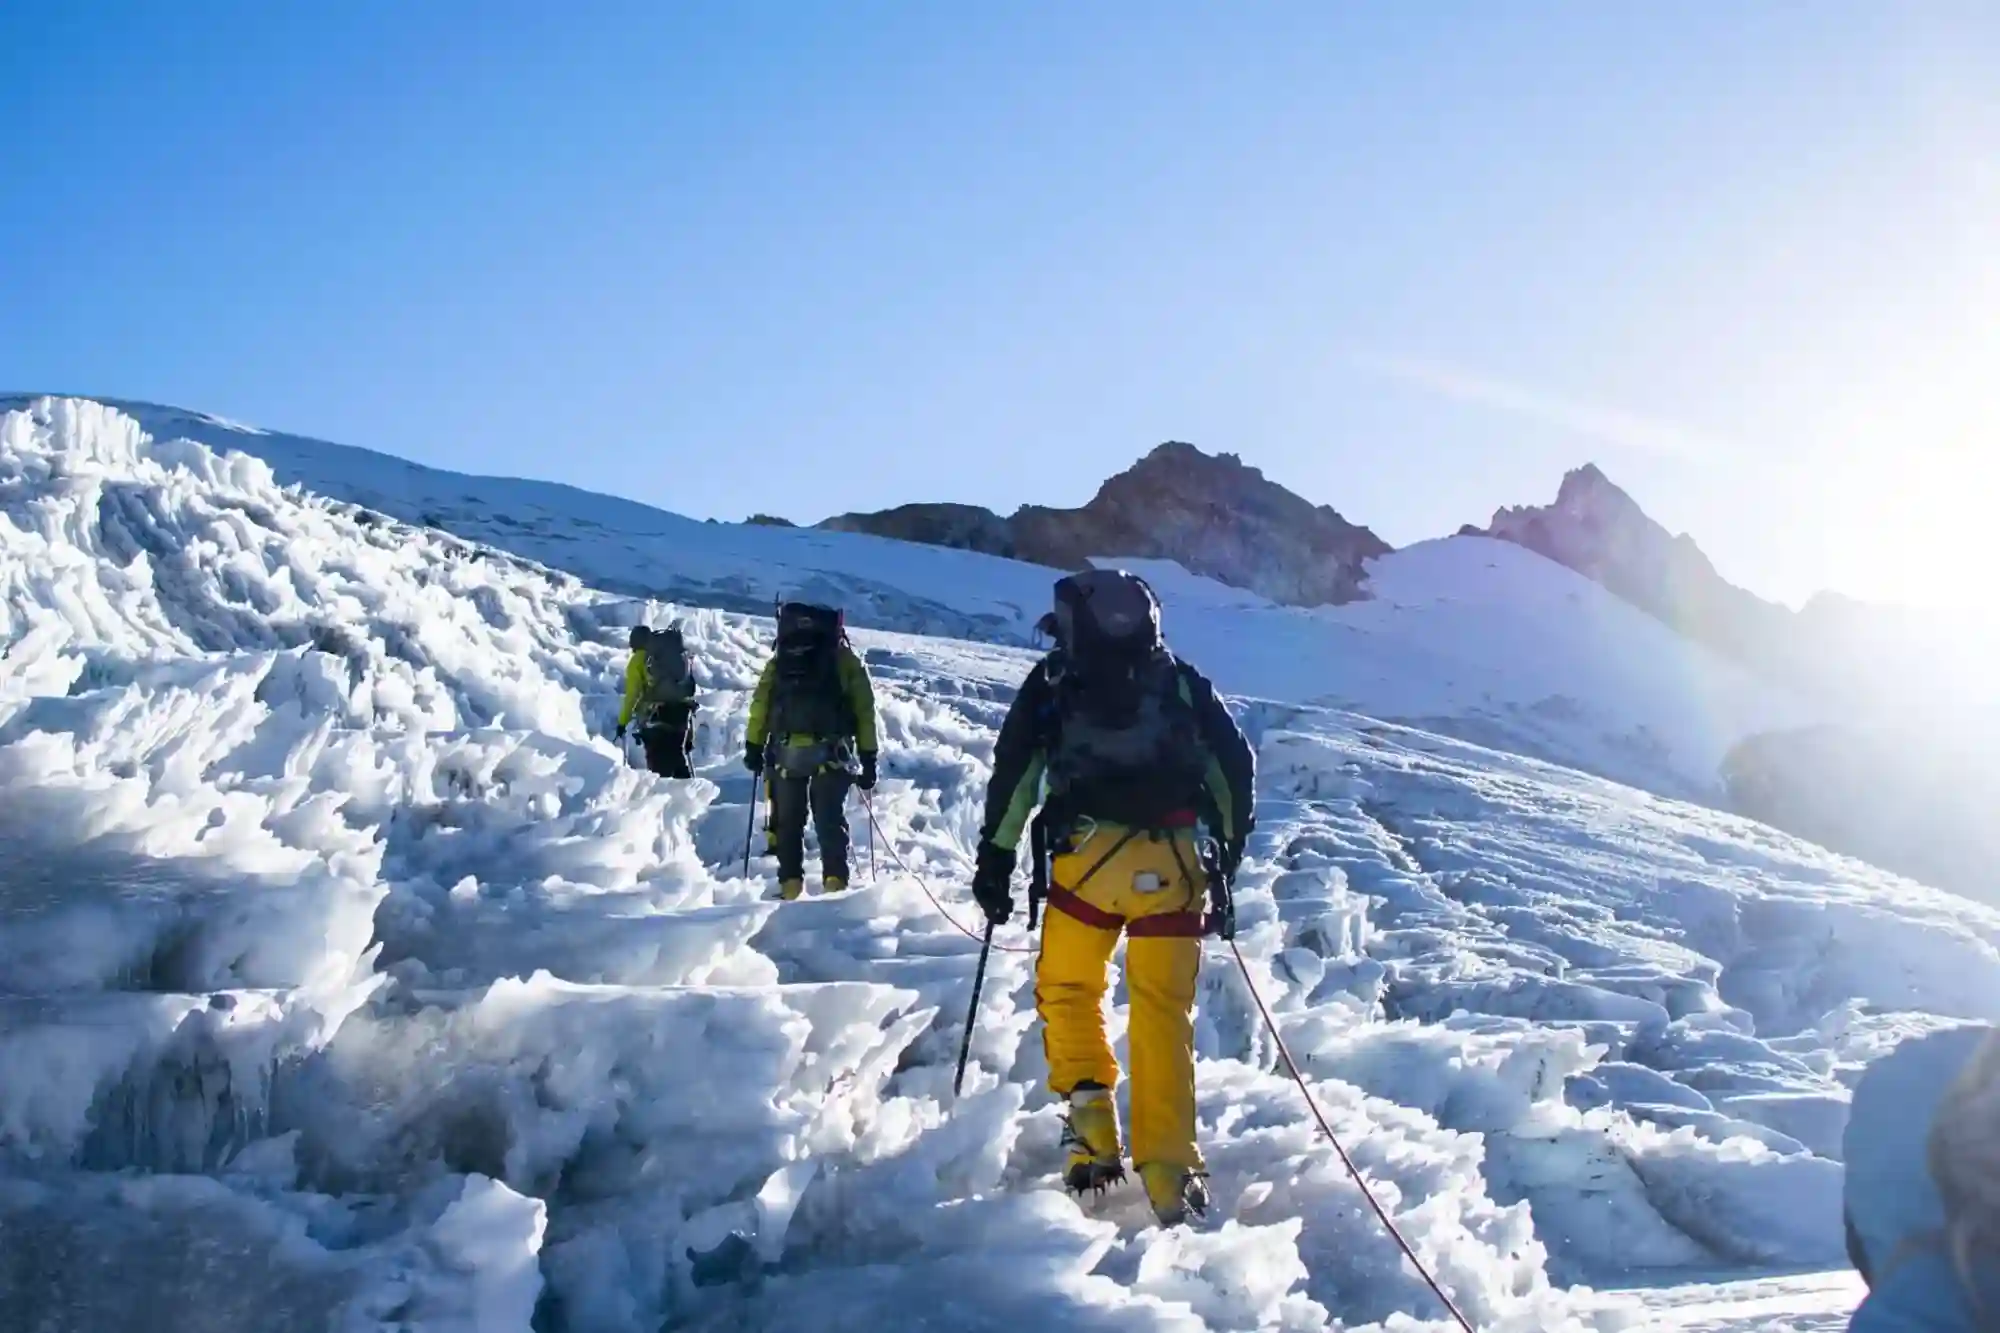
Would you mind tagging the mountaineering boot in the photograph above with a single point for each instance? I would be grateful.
(1091, 1135)
(789, 889)
(1174, 1192)
(834, 885)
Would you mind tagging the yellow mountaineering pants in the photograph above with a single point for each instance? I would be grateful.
(1162, 958)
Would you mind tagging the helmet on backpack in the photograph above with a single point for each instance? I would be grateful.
(805, 627)
(1104, 613)
(1125, 744)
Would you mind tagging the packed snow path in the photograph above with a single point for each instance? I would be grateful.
(349, 970)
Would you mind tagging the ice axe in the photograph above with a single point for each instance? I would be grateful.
(750, 826)
(972, 1015)
(868, 803)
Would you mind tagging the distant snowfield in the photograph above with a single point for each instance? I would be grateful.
(349, 972)
(1475, 637)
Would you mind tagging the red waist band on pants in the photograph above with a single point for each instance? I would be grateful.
(1181, 924)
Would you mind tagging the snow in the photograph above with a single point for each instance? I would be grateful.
(349, 970)
(1789, 1303)
(1470, 636)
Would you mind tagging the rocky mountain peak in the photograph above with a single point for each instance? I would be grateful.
(1211, 513)
(1597, 529)
(1586, 488)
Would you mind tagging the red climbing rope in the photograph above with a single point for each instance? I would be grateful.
(1381, 1213)
(875, 831)
(1284, 1053)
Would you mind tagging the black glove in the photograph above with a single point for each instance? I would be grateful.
(619, 733)
(993, 882)
(1221, 920)
(867, 779)
(753, 758)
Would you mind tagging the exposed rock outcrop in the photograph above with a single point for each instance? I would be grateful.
(1212, 514)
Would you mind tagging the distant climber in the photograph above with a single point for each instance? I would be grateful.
(1922, 1194)
(660, 699)
(1136, 752)
(811, 736)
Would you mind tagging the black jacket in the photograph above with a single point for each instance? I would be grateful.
(1020, 758)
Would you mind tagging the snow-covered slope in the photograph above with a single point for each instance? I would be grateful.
(621, 546)
(1493, 643)
(348, 973)
(1470, 635)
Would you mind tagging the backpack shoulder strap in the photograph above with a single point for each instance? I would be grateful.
(1048, 716)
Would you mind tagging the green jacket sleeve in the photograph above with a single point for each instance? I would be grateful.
(1232, 764)
(1019, 759)
(635, 686)
(861, 694)
(760, 707)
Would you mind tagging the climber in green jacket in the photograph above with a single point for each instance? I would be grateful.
(660, 698)
(812, 721)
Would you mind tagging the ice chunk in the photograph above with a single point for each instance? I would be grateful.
(94, 1251)
(1815, 1119)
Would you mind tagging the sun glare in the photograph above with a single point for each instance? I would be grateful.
(1921, 531)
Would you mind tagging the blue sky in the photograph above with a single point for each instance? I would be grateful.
(1413, 261)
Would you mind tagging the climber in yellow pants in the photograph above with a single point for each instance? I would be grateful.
(1163, 927)
(1136, 752)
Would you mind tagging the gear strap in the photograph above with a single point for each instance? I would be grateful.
(1171, 925)
(1070, 902)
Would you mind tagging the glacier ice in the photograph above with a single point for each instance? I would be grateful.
(349, 970)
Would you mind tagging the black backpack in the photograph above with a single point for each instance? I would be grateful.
(1125, 743)
(807, 697)
(669, 668)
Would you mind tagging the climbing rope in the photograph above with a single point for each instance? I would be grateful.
(876, 835)
(1284, 1053)
(1312, 1103)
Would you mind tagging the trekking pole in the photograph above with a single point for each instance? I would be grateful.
(868, 803)
(750, 828)
(972, 1016)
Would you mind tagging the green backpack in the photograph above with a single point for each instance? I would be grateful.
(669, 670)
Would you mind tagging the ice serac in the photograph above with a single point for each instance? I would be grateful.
(1211, 514)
